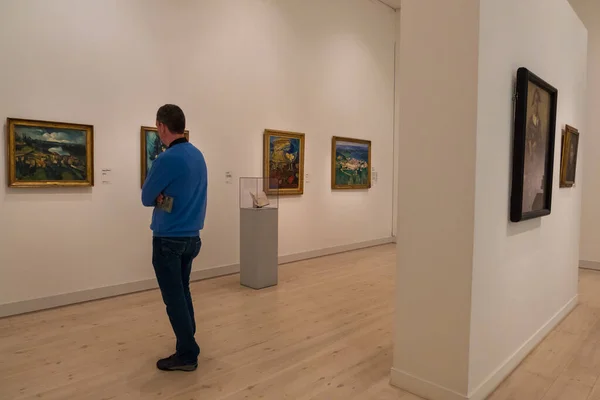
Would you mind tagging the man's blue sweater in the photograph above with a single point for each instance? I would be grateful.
(179, 172)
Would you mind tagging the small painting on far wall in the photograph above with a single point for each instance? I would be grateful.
(151, 148)
(283, 162)
(350, 163)
(570, 146)
(45, 153)
(533, 147)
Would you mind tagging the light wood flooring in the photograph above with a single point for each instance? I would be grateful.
(325, 332)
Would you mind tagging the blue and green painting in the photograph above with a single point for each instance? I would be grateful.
(351, 169)
(154, 147)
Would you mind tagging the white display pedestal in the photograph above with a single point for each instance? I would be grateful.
(258, 247)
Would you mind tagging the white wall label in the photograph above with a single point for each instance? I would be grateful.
(106, 175)
(228, 177)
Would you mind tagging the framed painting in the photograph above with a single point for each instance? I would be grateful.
(533, 147)
(568, 165)
(350, 163)
(46, 153)
(151, 147)
(283, 162)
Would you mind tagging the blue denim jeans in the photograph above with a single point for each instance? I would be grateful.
(172, 260)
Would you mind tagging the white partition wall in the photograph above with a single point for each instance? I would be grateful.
(476, 292)
(589, 12)
(324, 68)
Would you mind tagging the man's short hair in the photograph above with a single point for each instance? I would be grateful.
(173, 117)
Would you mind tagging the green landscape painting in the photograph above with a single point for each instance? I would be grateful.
(49, 154)
(351, 163)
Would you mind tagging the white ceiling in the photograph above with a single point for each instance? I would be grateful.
(392, 3)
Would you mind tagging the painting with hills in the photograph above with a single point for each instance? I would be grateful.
(350, 163)
(45, 153)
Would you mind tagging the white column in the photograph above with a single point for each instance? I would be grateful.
(438, 125)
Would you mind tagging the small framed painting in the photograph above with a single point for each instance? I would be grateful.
(283, 162)
(151, 147)
(350, 163)
(533, 147)
(45, 153)
(570, 146)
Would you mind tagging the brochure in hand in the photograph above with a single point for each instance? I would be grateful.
(166, 204)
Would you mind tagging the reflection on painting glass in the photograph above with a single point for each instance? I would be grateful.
(572, 158)
(536, 147)
(50, 154)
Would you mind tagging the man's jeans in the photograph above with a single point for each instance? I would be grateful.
(172, 259)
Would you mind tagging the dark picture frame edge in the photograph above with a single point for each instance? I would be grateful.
(524, 76)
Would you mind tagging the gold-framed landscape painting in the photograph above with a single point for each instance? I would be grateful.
(49, 154)
(350, 163)
(568, 165)
(151, 148)
(283, 162)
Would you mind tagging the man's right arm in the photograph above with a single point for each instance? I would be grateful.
(159, 177)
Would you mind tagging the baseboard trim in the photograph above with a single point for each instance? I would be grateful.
(26, 306)
(584, 264)
(334, 250)
(432, 391)
(421, 387)
(498, 376)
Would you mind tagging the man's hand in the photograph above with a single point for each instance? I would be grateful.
(160, 199)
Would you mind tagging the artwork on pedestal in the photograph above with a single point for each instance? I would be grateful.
(283, 162)
(533, 147)
(350, 163)
(151, 148)
(570, 146)
(45, 153)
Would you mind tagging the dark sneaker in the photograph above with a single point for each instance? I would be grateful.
(174, 363)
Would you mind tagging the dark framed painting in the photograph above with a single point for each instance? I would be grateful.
(350, 163)
(283, 162)
(151, 148)
(568, 165)
(49, 154)
(533, 147)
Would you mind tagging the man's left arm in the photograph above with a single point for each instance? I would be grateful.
(159, 177)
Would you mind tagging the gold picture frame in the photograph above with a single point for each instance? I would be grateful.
(350, 163)
(283, 162)
(150, 148)
(570, 148)
(49, 154)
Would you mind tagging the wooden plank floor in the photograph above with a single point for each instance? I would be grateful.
(324, 333)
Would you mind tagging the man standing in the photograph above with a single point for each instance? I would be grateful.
(176, 187)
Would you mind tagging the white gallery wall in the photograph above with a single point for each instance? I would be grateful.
(235, 67)
(476, 292)
(589, 180)
(524, 274)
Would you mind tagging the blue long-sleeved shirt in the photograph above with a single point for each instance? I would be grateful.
(179, 172)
